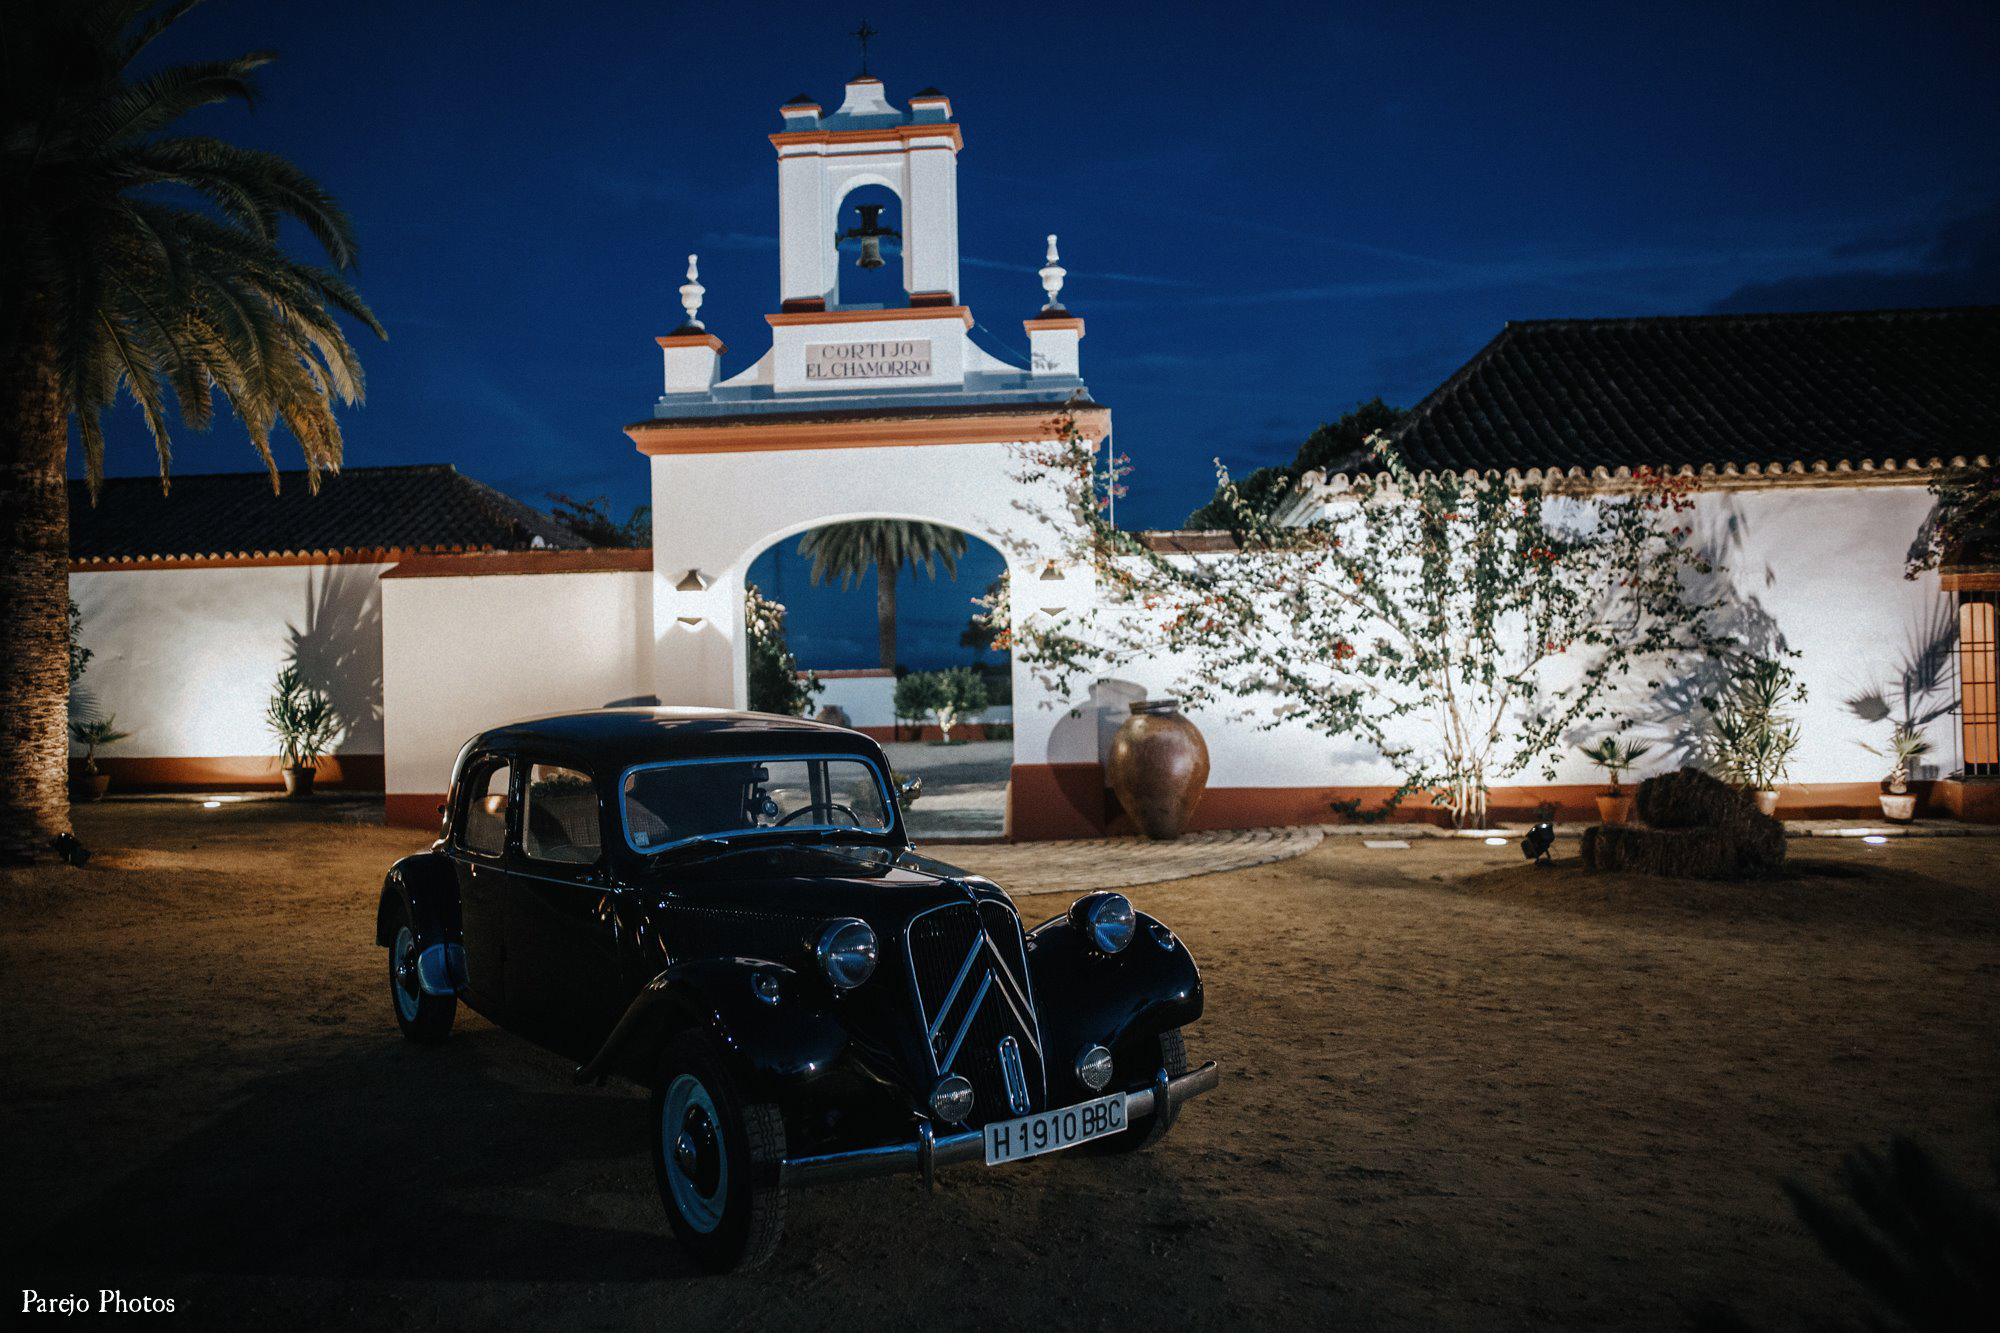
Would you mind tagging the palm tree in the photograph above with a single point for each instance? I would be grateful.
(107, 282)
(847, 551)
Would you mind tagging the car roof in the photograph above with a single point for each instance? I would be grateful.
(608, 739)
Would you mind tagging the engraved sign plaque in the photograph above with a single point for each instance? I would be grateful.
(908, 358)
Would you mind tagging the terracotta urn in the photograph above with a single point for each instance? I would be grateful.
(99, 783)
(1159, 767)
(1614, 809)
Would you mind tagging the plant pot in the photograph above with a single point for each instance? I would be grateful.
(1158, 767)
(1898, 809)
(96, 784)
(1614, 809)
(299, 782)
(1767, 802)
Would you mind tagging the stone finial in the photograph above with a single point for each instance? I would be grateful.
(1052, 278)
(691, 293)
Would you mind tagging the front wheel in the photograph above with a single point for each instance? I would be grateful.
(425, 1019)
(1173, 1059)
(716, 1159)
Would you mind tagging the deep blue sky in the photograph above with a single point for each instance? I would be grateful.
(1268, 213)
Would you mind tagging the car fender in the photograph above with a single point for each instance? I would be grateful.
(771, 1048)
(1122, 1001)
(426, 885)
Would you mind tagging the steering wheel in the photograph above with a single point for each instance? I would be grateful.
(852, 818)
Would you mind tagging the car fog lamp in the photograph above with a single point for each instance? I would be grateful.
(847, 953)
(766, 987)
(951, 1100)
(1107, 918)
(1093, 1068)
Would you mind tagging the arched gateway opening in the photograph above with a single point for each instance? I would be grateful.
(878, 409)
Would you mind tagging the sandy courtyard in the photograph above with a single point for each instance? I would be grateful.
(1458, 1092)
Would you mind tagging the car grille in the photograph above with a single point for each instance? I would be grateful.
(969, 974)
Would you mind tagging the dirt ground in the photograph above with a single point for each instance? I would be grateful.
(1458, 1092)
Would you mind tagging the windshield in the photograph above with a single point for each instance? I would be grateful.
(672, 803)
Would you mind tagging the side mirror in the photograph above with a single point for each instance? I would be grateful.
(908, 789)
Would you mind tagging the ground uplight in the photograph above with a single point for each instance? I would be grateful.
(1496, 842)
(1874, 838)
(211, 805)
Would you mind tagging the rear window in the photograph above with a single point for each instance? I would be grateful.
(672, 803)
(559, 816)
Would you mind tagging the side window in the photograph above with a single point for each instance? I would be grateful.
(484, 827)
(559, 820)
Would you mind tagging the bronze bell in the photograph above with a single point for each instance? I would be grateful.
(870, 233)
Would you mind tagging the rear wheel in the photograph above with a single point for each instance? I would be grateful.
(424, 1018)
(1151, 1128)
(716, 1159)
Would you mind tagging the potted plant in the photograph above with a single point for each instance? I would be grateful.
(1615, 807)
(91, 733)
(1751, 738)
(1905, 743)
(303, 720)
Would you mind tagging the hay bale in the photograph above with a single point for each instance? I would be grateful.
(1692, 799)
(1698, 853)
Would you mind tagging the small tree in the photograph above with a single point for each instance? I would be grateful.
(961, 693)
(92, 733)
(303, 720)
(918, 695)
(776, 685)
(1750, 737)
(1463, 626)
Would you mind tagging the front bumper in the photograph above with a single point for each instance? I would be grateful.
(928, 1152)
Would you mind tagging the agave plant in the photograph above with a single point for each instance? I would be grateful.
(1905, 744)
(1614, 757)
(1751, 738)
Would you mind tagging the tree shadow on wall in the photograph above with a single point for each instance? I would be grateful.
(339, 649)
(1674, 711)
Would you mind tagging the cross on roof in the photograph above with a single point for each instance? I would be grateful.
(864, 32)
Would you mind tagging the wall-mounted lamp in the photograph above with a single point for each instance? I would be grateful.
(693, 581)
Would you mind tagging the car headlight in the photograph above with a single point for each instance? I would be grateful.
(951, 1099)
(1093, 1068)
(847, 953)
(1106, 918)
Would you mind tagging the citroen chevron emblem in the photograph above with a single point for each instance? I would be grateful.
(952, 1022)
(1017, 1078)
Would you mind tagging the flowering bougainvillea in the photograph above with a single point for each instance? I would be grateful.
(1462, 626)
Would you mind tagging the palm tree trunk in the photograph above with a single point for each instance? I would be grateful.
(885, 603)
(34, 594)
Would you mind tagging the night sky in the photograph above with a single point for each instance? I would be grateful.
(1268, 214)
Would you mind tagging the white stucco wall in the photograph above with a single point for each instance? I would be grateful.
(1820, 565)
(461, 654)
(185, 658)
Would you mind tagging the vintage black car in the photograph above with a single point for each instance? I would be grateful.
(725, 908)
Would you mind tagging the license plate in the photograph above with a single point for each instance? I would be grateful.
(1033, 1135)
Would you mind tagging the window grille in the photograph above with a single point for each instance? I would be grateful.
(1979, 704)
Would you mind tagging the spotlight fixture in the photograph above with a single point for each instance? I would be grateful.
(1875, 838)
(1535, 845)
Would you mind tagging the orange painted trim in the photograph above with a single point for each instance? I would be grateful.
(407, 810)
(791, 317)
(933, 298)
(1974, 800)
(791, 109)
(384, 555)
(1069, 322)
(765, 435)
(902, 134)
(795, 304)
(594, 561)
(693, 340)
(346, 772)
(1969, 580)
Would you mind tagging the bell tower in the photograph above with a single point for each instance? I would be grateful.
(824, 158)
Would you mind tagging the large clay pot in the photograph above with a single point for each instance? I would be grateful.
(1159, 767)
(299, 781)
(99, 783)
(1898, 808)
(1614, 809)
(1767, 801)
